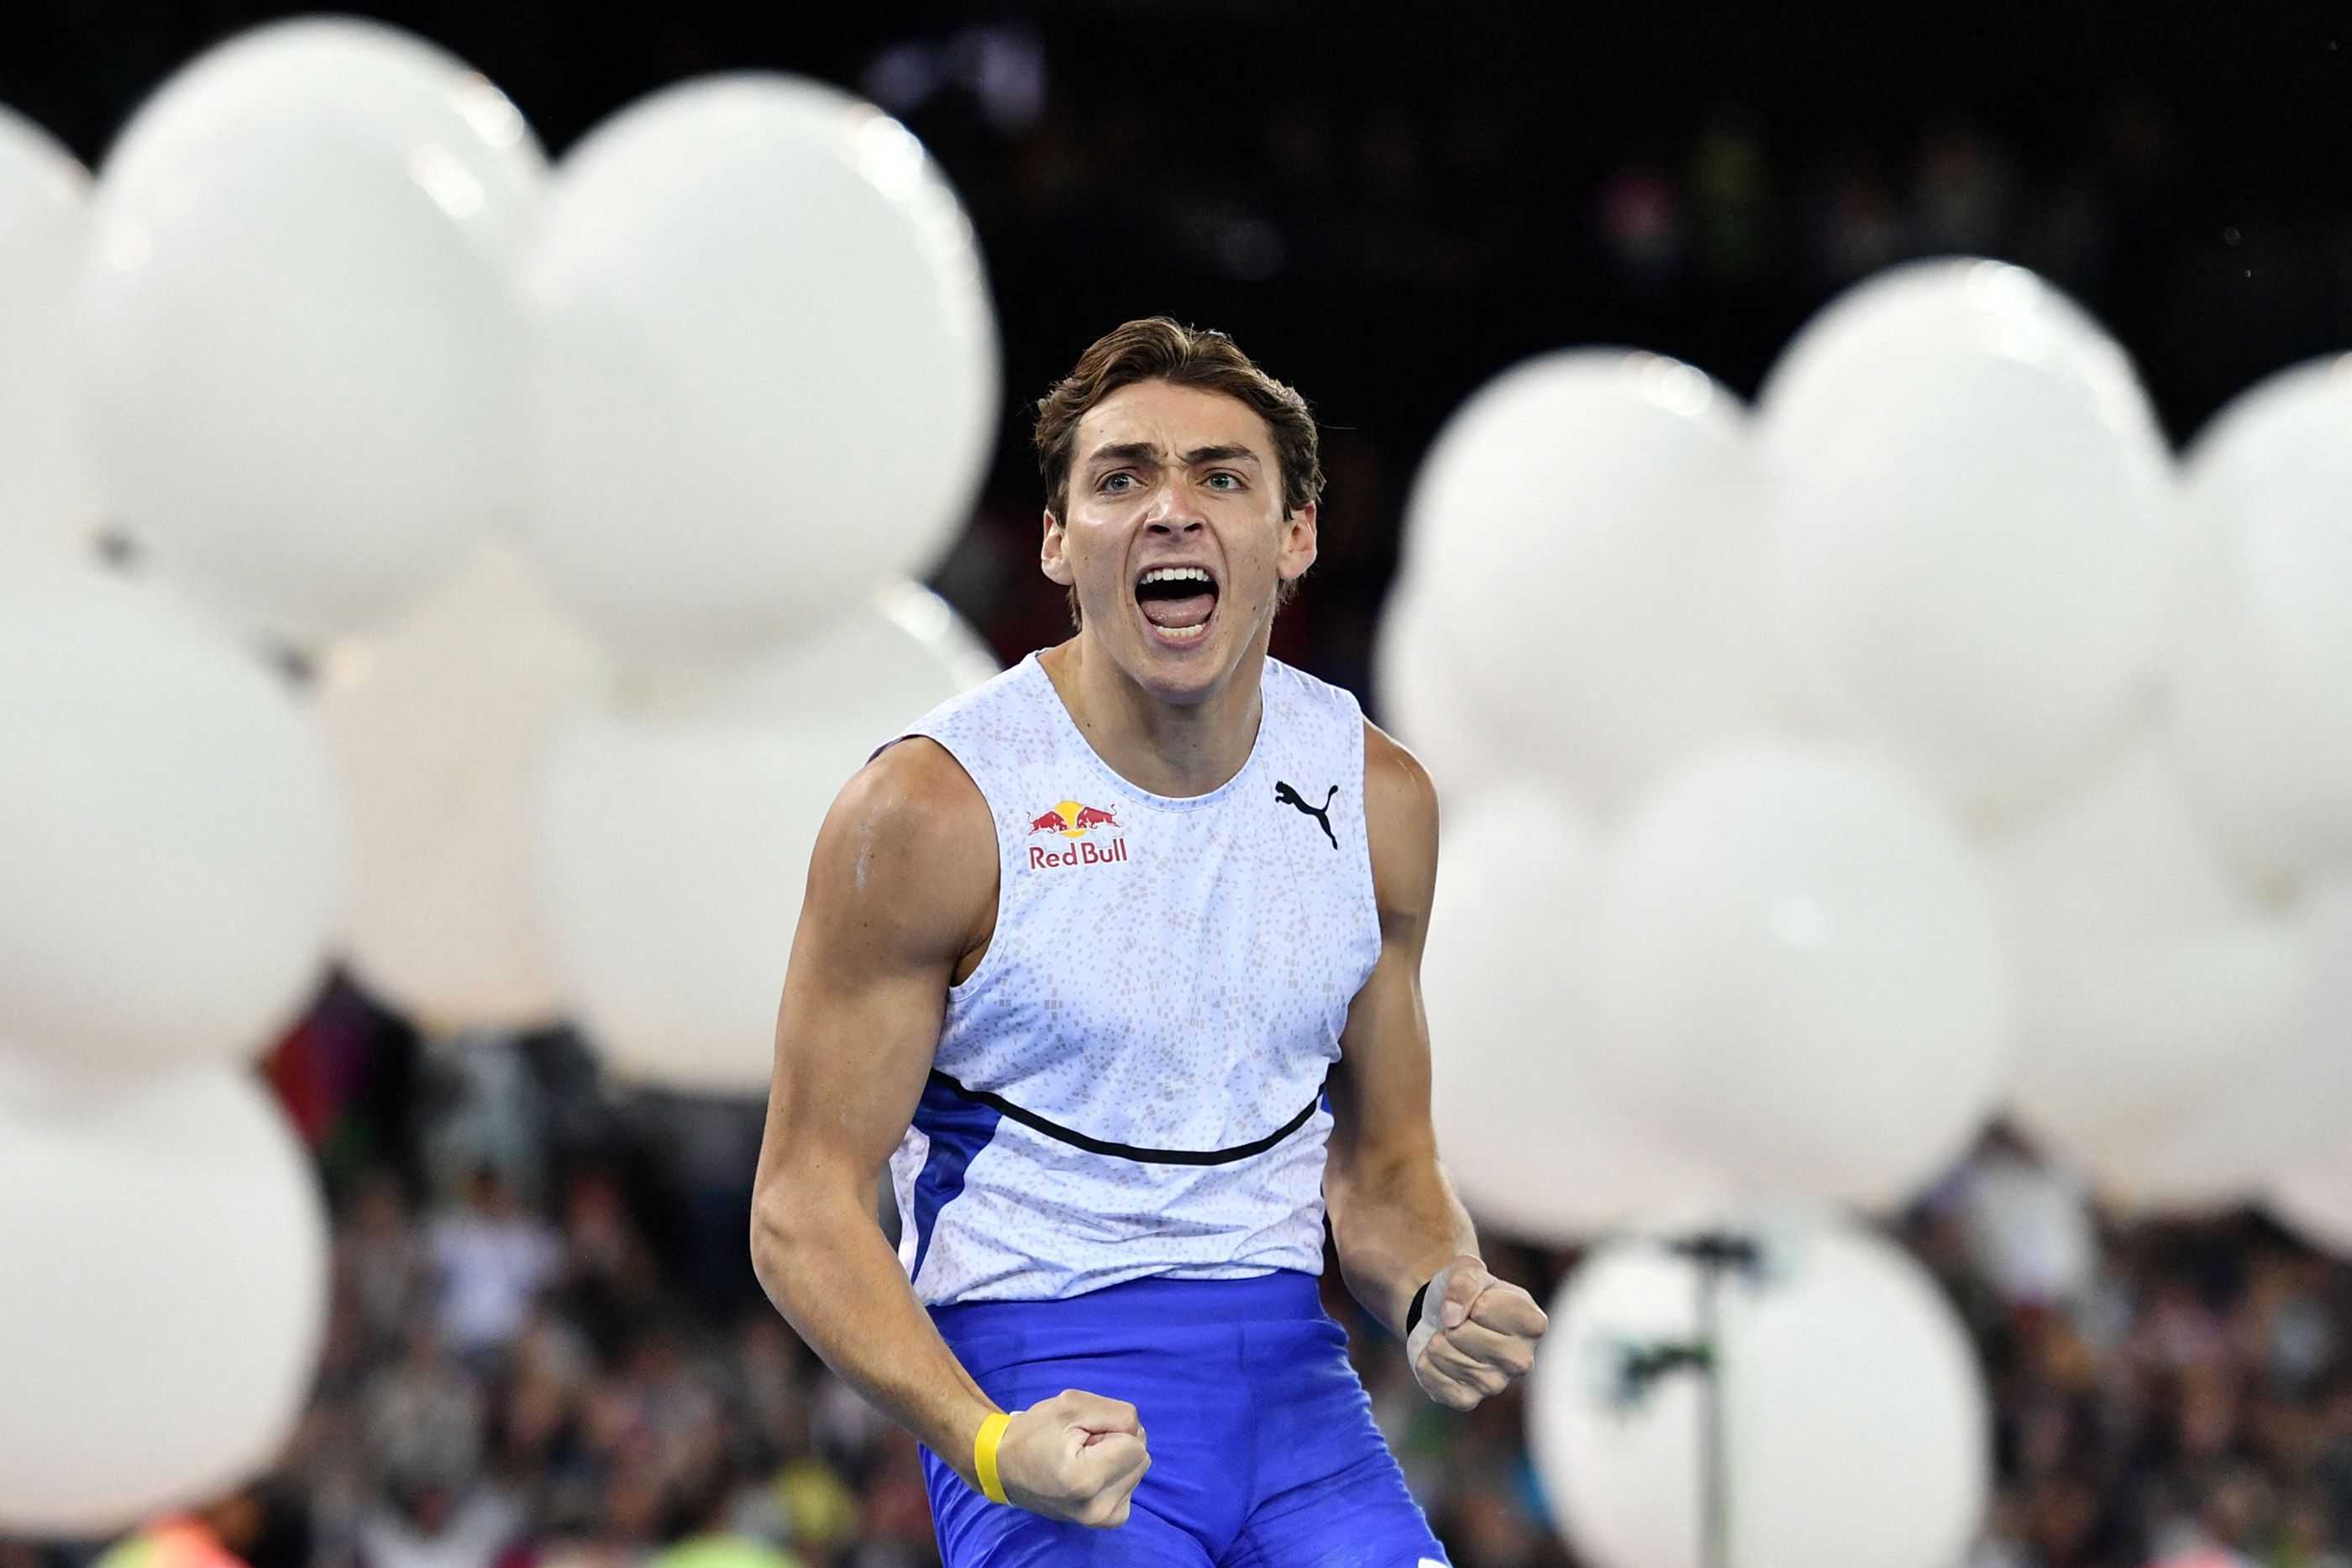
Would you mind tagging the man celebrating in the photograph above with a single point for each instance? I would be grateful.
(1115, 962)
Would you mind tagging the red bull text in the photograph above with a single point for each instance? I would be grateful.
(1086, 852)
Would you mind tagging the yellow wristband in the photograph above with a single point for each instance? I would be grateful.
(983, 1457)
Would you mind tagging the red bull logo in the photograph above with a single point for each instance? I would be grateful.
(1076, 820)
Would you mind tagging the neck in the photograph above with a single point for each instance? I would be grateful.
(1169, 748)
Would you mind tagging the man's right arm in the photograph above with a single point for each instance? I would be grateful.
(901, 890)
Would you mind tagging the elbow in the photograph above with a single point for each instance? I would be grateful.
(799, 1218)
(781, 1232)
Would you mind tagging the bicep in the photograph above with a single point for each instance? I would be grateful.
(1380, 1091)
(853, 1040)
(894, 882)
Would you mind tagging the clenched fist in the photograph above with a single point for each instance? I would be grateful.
(1475, 1335)
(1076, 1456)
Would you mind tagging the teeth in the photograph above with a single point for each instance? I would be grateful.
(1176, 574)
(1182, 634)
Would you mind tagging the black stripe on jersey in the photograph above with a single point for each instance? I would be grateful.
(1077, 1139)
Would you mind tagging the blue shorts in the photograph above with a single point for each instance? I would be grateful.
(1263, 1454)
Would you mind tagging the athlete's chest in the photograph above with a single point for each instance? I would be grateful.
(1119, 917)
(1266, 838)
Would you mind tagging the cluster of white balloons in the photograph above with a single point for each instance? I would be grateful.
(1824, 778)
(1925, 743)
(518, 564)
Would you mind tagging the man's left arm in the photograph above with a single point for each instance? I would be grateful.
(1398, 1228)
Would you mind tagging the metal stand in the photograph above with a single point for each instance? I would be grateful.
(1715, 1254)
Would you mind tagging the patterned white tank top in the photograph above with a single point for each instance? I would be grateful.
(1131, 1081)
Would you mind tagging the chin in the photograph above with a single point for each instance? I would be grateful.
(1181, 672)
(1181, 681)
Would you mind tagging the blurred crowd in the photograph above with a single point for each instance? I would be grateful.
(508, 1385)
(2169, 1394)
(546, 1348)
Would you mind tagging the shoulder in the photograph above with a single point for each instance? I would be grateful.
(915, 777)
(909, 842)
(1395, 783)
(1400, 820)
(1289, 686)
(915, 799)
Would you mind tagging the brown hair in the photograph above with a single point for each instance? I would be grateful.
(1161, 349)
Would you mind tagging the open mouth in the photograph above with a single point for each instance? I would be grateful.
(1178, 600)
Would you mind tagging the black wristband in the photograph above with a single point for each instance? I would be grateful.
(1412, 1313)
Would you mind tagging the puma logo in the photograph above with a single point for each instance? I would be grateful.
(1284, 795)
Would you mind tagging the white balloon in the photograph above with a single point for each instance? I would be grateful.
(1800, 973)
(2149, 982)
(1423, 702)
(674, 847)
(48, 499)
(2313, 1198)
(1975, 527)
(1856, 1428)
(2263, 699)
(2281, 1109)
(1948, 304)
(766, 365)
(903, 651)
(1538, 1147)
(440, 731)
(303, 354)
(1588, 530)
(165, 1300)
(168, 825)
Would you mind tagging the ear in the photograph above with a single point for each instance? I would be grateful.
(1051, 559)
(1298, 544)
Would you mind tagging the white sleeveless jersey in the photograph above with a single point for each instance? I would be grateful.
(1130, 1082)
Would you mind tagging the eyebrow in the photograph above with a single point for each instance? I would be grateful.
(1145, 452)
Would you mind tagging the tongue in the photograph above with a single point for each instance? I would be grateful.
(1175, 614)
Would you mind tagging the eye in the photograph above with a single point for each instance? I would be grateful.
(1119, 480)
(1224, 479)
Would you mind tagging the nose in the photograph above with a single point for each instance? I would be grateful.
(1175, 510)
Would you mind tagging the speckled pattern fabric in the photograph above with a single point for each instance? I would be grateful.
(1169, 977)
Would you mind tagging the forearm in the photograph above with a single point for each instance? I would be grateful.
(825, 1265)
(1395, 1223)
